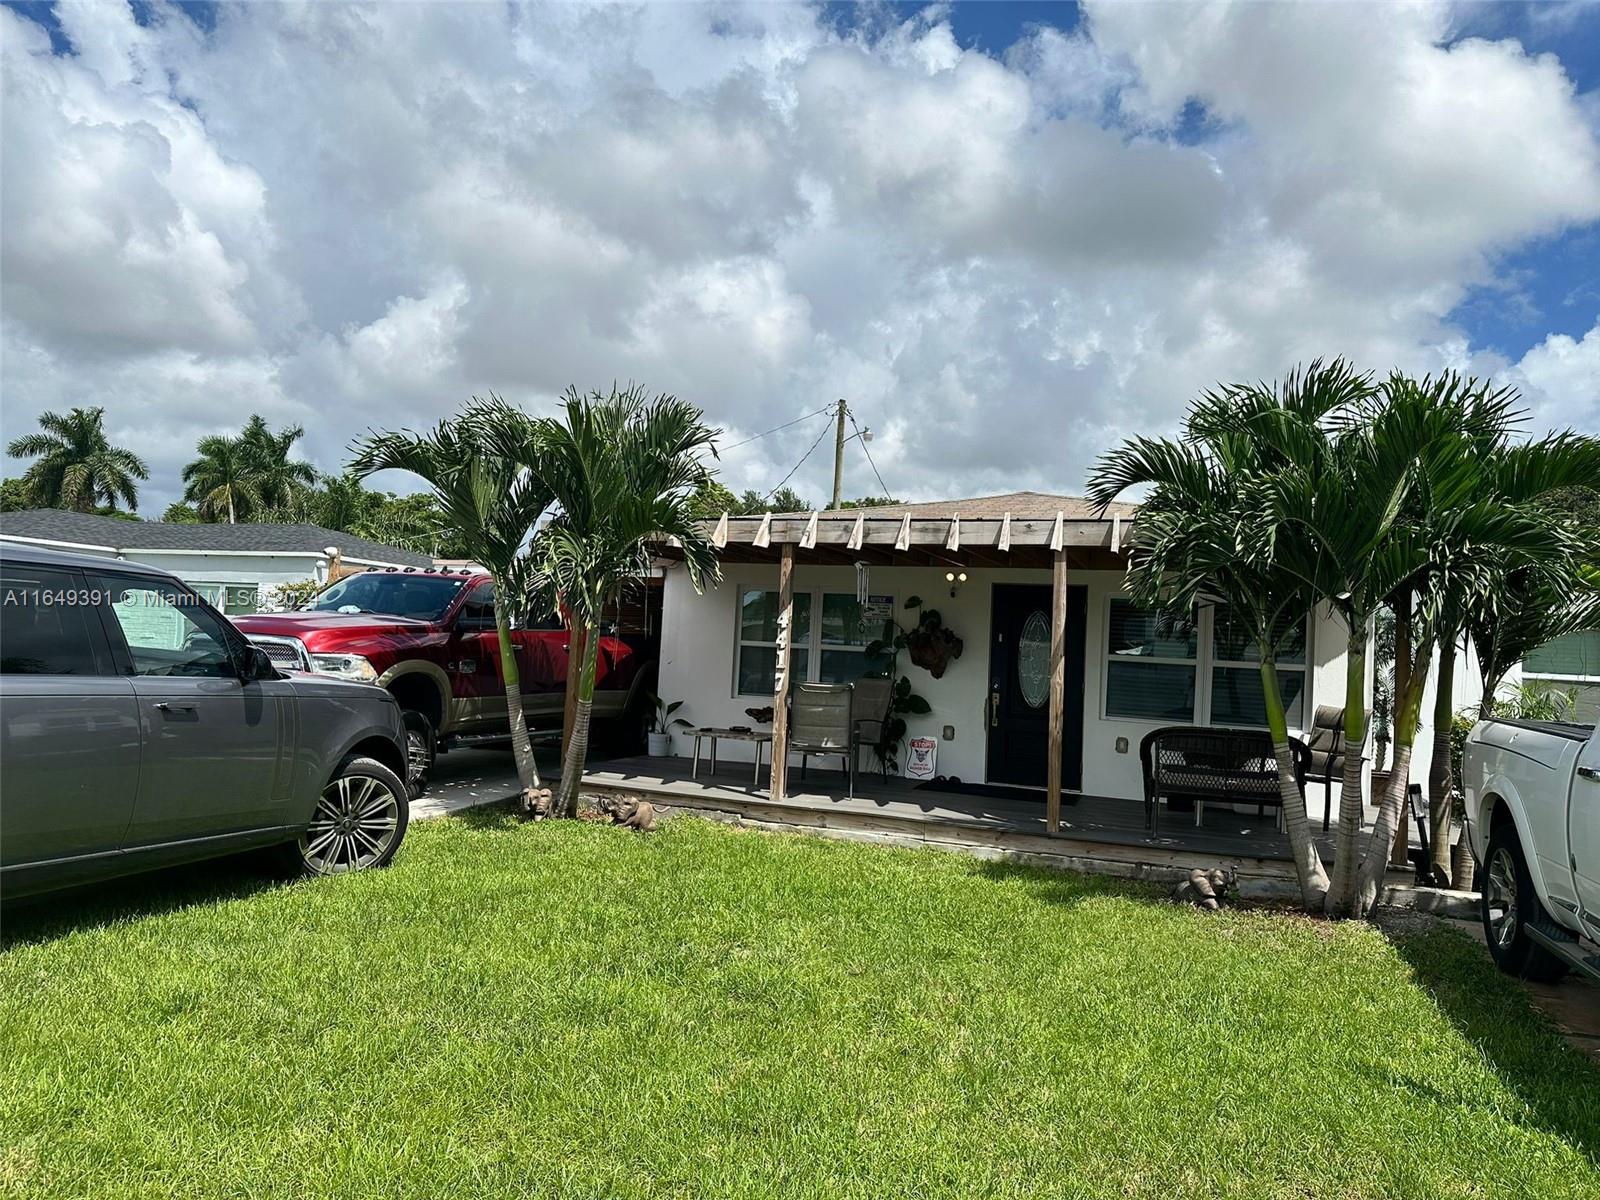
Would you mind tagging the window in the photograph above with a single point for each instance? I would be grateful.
(1205, 669)
(1236, 697)
(167, 631)
(477, 611)
(48, 624)
(233, 599)
(1575, 656)
(832, 650)
(1151, 664)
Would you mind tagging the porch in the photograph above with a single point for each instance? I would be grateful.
(1099, 833)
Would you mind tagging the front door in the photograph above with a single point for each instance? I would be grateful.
(1019, 686)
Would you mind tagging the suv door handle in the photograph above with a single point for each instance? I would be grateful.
(1589, 773)
(163, 706)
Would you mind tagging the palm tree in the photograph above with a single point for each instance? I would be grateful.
(624, 470)
(1533, 604)
(224, 479)
(278, 477)
(1473, 506)
(78, 467)
(1326, 490)
(1201, 536)
(478, 465)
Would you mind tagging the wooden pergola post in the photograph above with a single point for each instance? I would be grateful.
(1058, 689)
(780, 694)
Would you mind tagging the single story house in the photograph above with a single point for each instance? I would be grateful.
(239, 568)
(1012, 576)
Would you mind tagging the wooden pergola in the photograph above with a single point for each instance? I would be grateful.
(909, 536)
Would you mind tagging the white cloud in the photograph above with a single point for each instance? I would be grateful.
(347, 216)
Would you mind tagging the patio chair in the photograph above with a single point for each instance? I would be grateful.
(1326, 744)
(871, 702)
(821, 723)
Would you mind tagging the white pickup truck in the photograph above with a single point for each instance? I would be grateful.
(1533, 813)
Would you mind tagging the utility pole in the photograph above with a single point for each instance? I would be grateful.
(838, 454)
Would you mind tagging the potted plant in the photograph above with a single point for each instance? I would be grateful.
(661, 723)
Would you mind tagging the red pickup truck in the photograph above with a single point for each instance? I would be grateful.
(428, 636)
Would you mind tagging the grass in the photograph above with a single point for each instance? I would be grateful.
(575, 1011)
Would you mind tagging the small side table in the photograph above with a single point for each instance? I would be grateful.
(760, 737)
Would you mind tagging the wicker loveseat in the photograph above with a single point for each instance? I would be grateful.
(1226, 766)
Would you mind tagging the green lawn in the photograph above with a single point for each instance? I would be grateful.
(576, 1011)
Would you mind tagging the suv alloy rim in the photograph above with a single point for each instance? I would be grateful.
(1500, 896)
(354, 825)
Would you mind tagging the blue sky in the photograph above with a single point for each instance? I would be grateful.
(970, 219)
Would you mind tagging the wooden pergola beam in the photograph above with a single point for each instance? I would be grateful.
(906, 533)
(1058, 690)
(785, 655)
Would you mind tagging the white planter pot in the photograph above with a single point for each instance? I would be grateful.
(660, 745)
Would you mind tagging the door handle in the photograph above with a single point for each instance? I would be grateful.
(994, 709)
(1590, 773)
(163, 706)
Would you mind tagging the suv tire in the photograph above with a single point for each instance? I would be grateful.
(359, 822)
(1508, 905)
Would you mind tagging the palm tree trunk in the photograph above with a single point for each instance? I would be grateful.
(1307, 862)
(231, 520)
(1491, 685)
(1342, 891)
(566, 804)
(1375, 862)
(1440, 771)
(521, 748)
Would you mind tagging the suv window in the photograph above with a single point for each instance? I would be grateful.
(48, 623)
(169, 630)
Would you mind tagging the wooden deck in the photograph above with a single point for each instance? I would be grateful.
(1097, 832)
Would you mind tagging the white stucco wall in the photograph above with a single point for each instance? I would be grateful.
(699, 643)
(265, 571)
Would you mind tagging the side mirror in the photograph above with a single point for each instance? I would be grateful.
(257, 665)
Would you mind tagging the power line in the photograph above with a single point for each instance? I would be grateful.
(860, 437)
(776, 428)
(801, 463)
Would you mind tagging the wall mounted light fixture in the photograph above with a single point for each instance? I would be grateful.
(955, 579)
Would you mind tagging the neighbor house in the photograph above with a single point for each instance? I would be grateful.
(1008, 575)
(239, 568)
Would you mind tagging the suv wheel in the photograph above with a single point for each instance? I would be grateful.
(359, 822)
(1509, 904)
(421, 747)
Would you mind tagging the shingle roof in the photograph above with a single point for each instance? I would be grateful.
(1021, 505)
(87, 529)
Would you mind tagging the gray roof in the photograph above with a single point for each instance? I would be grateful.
(87, 529)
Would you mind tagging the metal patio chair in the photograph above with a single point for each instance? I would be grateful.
(821, 723)
(871, 702)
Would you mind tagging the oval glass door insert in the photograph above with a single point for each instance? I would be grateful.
(1033, 660)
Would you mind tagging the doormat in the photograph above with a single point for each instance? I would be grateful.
(993, 791)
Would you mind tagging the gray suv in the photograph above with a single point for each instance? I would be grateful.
(139, 729)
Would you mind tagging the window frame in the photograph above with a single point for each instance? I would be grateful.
(101, 647)
(1234, 664)
(122, 654)
(814, 646)
(1202, 630)
(255, 588)
(1205, 664)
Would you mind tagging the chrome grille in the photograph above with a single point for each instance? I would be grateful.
(284, 651)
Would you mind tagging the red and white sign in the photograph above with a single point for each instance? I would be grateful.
(922, 758)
